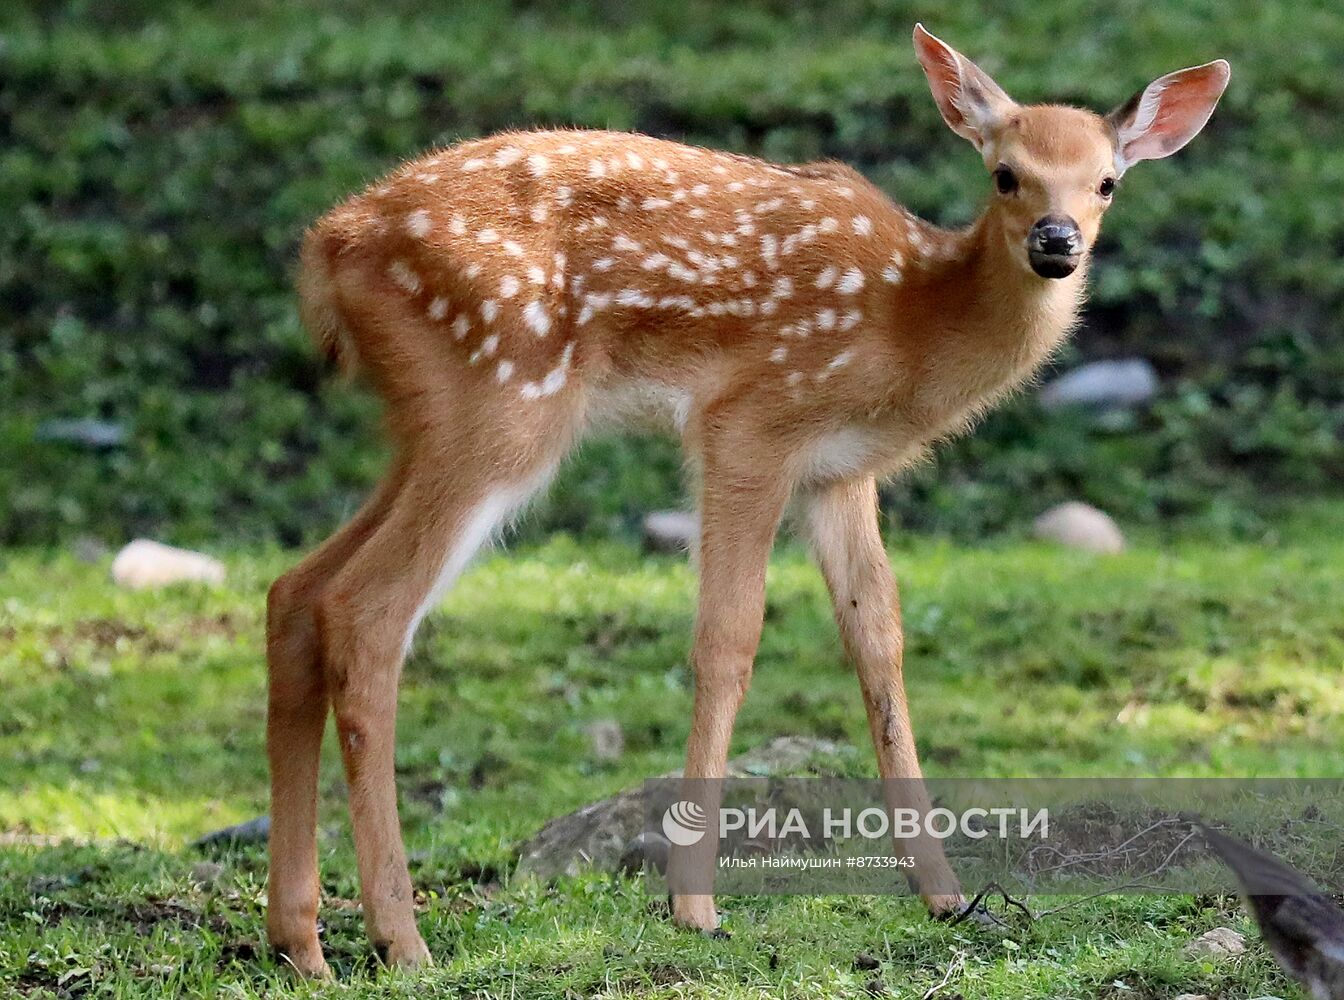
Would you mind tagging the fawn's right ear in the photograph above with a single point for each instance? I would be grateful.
(971, 103)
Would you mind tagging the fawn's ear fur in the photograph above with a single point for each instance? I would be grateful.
(971, 103)
(1167, 113)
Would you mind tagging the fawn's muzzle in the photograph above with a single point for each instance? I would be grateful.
(1054, 246)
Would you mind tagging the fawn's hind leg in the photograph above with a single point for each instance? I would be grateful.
(457, 490)
(296, 717)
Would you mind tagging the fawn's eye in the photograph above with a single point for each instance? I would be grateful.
(1005, 180)
(1107, 187)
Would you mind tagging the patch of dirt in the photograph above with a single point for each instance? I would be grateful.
(106, 634)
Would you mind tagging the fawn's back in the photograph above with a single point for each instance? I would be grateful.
(647, 272)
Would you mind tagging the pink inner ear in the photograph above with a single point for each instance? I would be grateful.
(940, 66)
(1182, 113)
(1185, 100)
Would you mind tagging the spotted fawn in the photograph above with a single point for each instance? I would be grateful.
(800, 333)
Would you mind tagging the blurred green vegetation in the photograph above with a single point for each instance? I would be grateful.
(158, 164)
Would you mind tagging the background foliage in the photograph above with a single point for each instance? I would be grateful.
(158, 165)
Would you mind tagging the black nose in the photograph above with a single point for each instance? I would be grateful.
(1054, 246)
(1055, 236)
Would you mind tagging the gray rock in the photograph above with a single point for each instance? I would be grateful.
(87, 549)
(92, 434)
(1079, 526)
(670, 531)
(647, 848)
(1221, 942)
(254, 831)
(1130, 382)
(144, 563)
(609, 835)
(206, 873)
(608, 739)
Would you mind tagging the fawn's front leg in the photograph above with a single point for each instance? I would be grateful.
(740, 512)
(843, 531)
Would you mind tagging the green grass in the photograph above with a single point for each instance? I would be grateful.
(131, 723)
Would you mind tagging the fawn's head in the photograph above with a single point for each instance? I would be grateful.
(1055, 168)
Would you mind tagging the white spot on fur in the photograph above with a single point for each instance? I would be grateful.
(536, 317)
(850, 282)
(863, 226)
(458, 226)
(539, 212)
(489, 310)
(827, 277)
(461, 327)
(475, 163)
(487, 236)
(508, 156)
(604, 264)
(825, 319)
(770, 251)
(508, 286)
(417, 223)
(538, 165)
(438, 308)
(405, 278)
(779, 354)
(504, 372)
(839, 361)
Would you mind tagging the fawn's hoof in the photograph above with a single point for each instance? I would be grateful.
(695, 912)
(305, 959)
(945, 907)
(404, 953)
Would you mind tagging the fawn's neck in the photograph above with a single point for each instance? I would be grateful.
(988, 320)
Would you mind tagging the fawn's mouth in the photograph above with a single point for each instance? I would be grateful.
(1052, 265)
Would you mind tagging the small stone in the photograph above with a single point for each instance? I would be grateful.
(647, 849)
(1193, 996)
(87, 549)
(254, 831)
(865, 962)
(92, 434)
(670, 531)
(608, 739)
(206, 873)
(1221, 942)
(1124, 383)
(1080, 526)
(144, 563)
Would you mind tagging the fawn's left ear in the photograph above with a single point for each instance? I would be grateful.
(971, 103)
(1166, 114)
